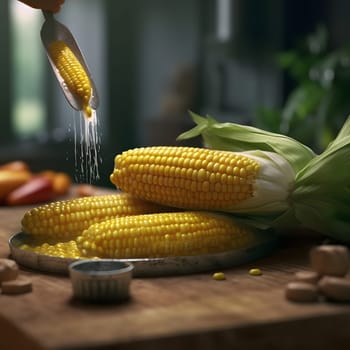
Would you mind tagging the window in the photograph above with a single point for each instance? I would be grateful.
(28, 114)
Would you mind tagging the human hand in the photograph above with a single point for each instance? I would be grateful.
(46, 5)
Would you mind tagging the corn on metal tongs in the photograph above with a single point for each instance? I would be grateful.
(52, 30)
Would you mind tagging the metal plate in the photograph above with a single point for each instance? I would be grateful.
(180, 265)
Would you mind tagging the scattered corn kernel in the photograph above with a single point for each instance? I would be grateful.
(255, 272)
(219, 276)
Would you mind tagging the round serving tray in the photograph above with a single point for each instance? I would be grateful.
(154, 267)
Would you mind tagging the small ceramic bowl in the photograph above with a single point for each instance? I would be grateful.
(101, 280)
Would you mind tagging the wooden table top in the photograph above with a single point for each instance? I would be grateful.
(183, 312)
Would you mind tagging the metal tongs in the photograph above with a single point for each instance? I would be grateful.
(52, 30)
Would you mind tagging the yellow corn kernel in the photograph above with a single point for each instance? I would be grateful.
(255, 272)
(211, 176)
(164, 235)
(73, 74)
(205, 179)
(219, 276)
(69, 218)
(61, 249)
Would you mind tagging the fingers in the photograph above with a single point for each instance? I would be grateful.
(46, 5)
(57, 7)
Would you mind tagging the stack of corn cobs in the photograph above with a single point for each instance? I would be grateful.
(187, 201)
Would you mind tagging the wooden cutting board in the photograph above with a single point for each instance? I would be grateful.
(183, 312)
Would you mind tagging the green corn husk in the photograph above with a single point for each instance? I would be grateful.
(320, 197)
(235, 137)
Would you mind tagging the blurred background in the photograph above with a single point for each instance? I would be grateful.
(282, 65)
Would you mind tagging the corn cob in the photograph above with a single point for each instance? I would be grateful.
(164, 235)
(67, 219)
(73, 74)
(204, 179)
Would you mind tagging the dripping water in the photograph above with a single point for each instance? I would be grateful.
(87, 145)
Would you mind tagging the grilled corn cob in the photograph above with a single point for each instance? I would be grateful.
(67, 219)
(73, 74)
(164, 235)
(204, 179)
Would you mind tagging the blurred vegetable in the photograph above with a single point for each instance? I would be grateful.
(16, 165)
(85, 190)
(38, 189)
(16, 174)
(61, 182)
(10, 180)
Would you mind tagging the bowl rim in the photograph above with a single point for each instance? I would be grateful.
(122, 267)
